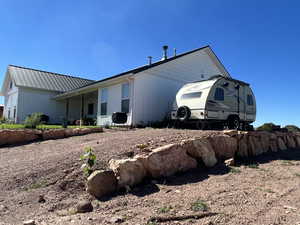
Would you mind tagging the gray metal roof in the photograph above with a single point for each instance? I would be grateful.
(33, 78)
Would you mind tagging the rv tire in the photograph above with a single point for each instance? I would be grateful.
(233, 122)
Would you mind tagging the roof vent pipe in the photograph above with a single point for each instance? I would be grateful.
(150, 60)
(175, 52)
(165, 55)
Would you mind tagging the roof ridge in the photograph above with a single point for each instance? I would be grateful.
(44, 71)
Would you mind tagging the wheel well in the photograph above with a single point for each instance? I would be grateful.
(232, 116)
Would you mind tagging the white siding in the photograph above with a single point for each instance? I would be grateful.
(153, 98)
(113, 104)
(33, 100)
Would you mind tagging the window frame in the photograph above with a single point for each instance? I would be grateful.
(218, 96)
(125, 98)
(103, 101)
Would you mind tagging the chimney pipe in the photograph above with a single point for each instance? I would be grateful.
(175, 52)
(150, 60)
(165, 55)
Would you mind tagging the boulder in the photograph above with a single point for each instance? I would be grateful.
(297, 141)
(281, 144)
(18, 136)
(242, 146)
(69, 132)
(129, 172)
(201, 149)
(264, 141)
(229, 162)
(224, 146)
(101, 183)
(82, 131)
(290, 141)
(84, 207)
(53, 134)
(273, 143)
(168, 160)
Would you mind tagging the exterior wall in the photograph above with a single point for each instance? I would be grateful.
(155, 89)
(1, 111)
(113, 103)
(153, 98)
(11, 103)
(33, 100)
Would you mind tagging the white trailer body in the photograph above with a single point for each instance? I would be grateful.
(216, 100)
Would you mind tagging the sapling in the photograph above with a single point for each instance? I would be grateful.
(89, 159)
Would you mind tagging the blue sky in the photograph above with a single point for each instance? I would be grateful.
(257, 41)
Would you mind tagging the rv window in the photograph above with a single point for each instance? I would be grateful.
(191, 95)
(125, 105)
(249, 100)
(103, 109)
(219, 94)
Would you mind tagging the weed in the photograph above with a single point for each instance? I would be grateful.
(269, 191)
(152, 223)
(297, 174)
(89, 159)
(234, 170)
(142, 146)
(37, 185)
(33, 120)
(164, 209)
(253, 166)
(199, 205)
(287, 163)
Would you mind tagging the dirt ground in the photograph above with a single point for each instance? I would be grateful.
(263, 190)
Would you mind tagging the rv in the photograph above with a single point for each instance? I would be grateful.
(221, 101)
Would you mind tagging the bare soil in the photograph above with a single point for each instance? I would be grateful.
(262, 190)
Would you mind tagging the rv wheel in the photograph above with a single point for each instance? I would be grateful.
(183, 113)
(234, 123)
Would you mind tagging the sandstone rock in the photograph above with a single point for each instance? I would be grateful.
(167, 160)
(224, 146)
(29, 222)
(297, 141)
(201, 149)
(230, 162)
(82, 131)
(69, 132)
(281, 144)
(101, 183)
(53, 134)
(231, 133)
(128, 171)
(18, 136)
(273, 143)
(290, 142)
(84, 206)
(116, 219)
(242, 146)
(265, 141)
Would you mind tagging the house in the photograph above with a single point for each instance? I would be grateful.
(145, 93)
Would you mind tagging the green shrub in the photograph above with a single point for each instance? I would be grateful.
(89, 159)
(33, 120)
(292, 128)
(266, 127)
(199, 205)
(3, 120)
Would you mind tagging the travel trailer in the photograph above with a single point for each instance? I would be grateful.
(221, 101)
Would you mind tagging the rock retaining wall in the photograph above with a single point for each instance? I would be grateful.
(19, 136)
(172, 158)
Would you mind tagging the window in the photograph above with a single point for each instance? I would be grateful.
(8, 115)
(104, 98)
(10, 85)
(191, 95)
(249, 100)
(91, 109)
(219, 94)
(125, 98)
(15, 110)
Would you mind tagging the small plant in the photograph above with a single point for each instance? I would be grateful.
(164, 209)
(142, 146)
(287, 163)
(234, 170)
(297, 174)
(89, 159)
(33, 120)
(253, 165)
(199, 205)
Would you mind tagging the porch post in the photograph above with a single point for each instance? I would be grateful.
(82, 109)
(67, 109)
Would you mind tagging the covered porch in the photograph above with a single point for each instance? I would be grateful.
(80, 108)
